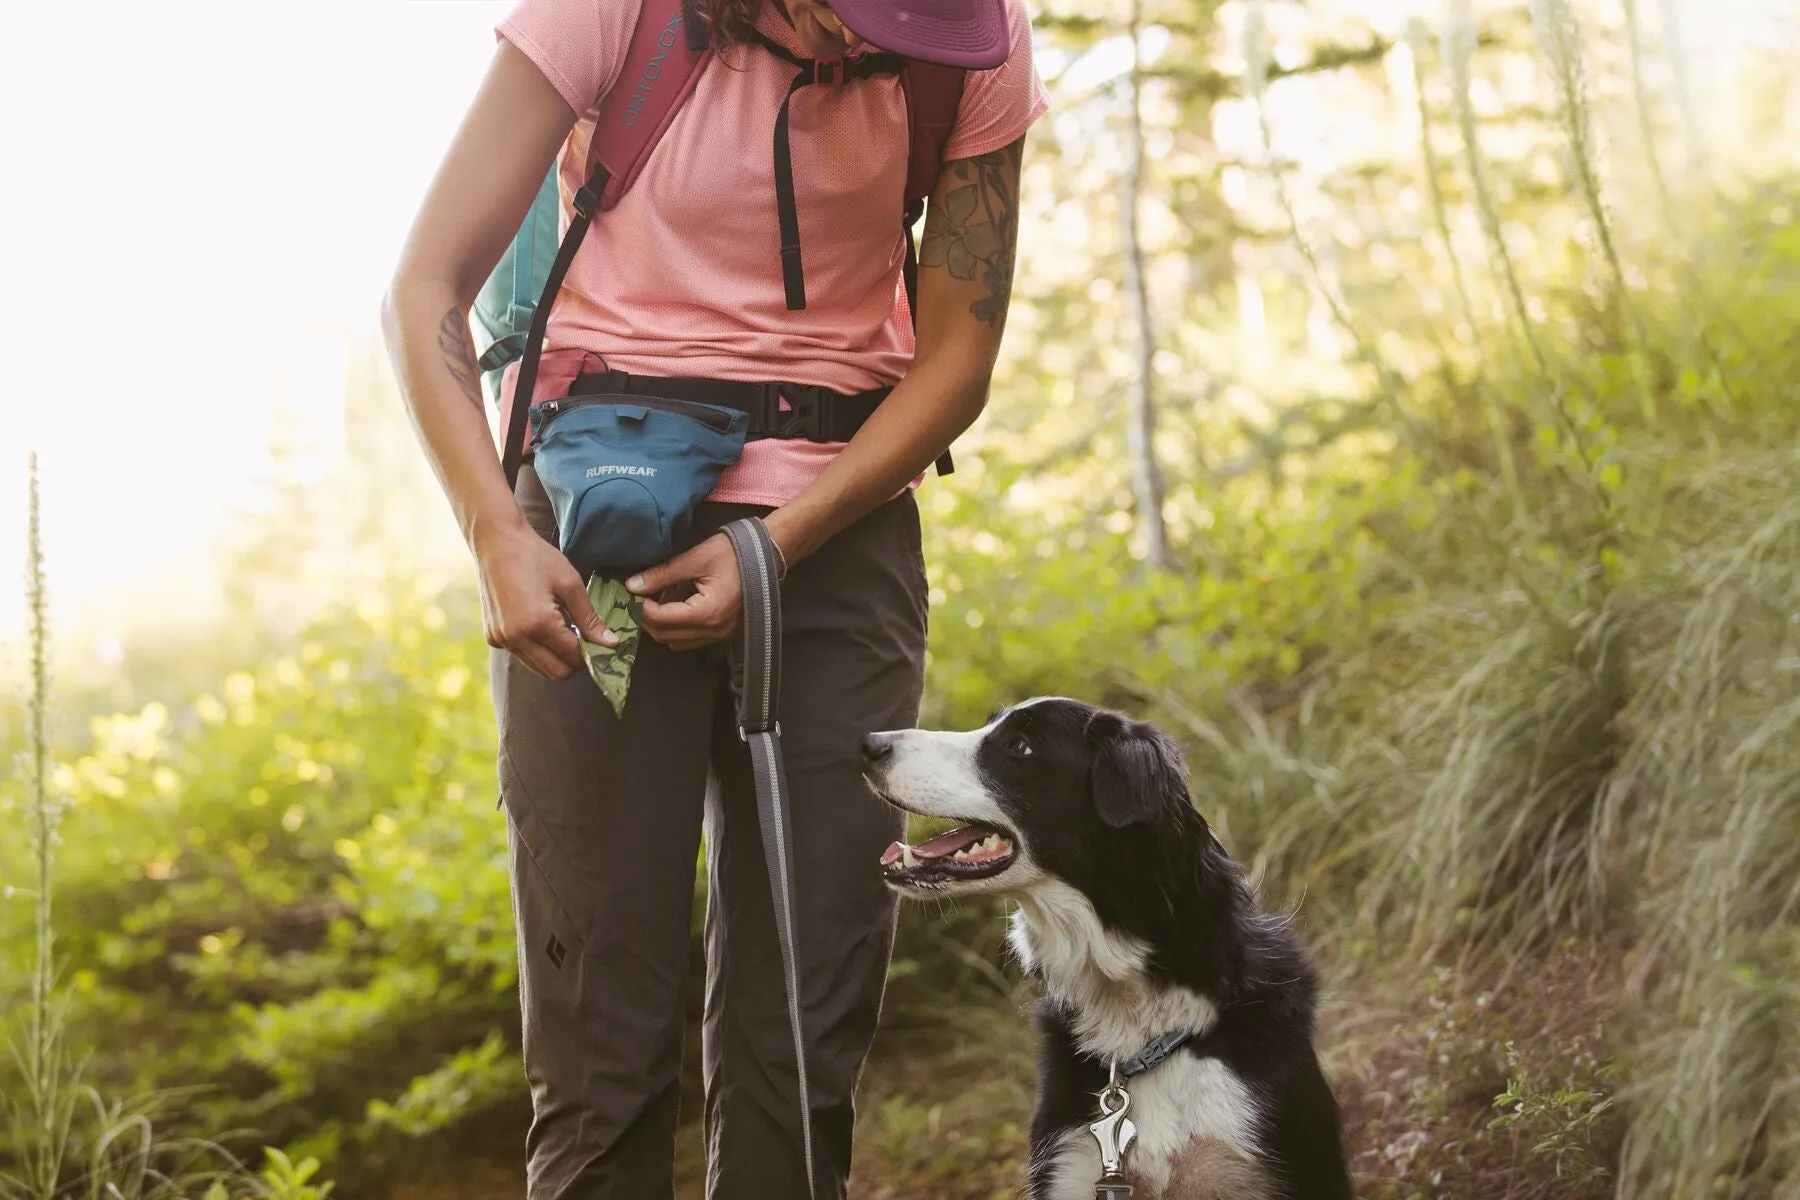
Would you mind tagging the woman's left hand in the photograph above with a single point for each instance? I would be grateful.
(710, 611)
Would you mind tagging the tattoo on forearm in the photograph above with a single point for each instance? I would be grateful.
(459, 354)
(975, 231)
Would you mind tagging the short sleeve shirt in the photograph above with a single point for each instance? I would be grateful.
(683, 276)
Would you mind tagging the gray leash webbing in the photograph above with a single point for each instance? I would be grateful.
(759, 702)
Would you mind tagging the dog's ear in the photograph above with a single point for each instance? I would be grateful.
(1136, 771)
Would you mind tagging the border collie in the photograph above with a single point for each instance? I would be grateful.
(1145, 934)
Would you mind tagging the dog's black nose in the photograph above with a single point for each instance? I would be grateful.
(877, 746)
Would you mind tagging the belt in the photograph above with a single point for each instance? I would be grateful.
(815, 414)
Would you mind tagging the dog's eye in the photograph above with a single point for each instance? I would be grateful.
(1019, 747)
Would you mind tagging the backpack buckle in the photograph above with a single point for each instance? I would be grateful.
(805, 415)
(829, 70)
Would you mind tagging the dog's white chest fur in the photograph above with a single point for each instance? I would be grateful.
(1196, 1120)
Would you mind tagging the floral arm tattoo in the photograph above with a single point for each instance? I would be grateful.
(972, 228)
(459, 354)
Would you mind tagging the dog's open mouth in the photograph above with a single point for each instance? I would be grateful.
(971, 852)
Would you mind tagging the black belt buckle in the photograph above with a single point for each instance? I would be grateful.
(805, 417)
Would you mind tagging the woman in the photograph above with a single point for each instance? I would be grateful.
(683, 279)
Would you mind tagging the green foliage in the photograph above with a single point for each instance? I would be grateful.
(65, 1139)
(1560, 1123)
(285, 1179)
(263, 895)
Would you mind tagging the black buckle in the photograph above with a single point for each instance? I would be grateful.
(805, 417)
(828, 70)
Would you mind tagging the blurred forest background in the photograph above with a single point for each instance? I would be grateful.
(1400, 409)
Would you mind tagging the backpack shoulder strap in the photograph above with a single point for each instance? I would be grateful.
(933, 95)
(669, 47)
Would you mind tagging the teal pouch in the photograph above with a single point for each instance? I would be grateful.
(625, 473)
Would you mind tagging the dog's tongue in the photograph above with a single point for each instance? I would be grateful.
(941, 846)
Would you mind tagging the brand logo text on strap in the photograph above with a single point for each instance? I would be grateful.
(652, 71)
(597, 472)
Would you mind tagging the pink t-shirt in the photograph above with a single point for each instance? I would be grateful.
(683, 276)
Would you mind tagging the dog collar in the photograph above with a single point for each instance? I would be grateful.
(1153, 1054)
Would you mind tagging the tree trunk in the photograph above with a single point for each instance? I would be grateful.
(1146, 477)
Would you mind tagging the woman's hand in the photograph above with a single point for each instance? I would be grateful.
(527, 587)
(709, 613)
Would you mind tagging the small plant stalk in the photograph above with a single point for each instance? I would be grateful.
(1256, 78)
(1458, 39)
(1559, 36)
(1146, 475)
(1440, 211)
(1640, 92)
(41, 818)
(1458, 46)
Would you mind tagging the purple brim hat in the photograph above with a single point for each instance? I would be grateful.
(972, 34)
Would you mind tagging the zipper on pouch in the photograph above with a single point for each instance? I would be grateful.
(706, 415)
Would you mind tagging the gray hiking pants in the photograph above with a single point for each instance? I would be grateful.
(604, 825)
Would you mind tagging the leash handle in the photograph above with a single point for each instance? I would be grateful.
(759, 725)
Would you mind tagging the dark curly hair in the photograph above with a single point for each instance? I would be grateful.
(731, 20)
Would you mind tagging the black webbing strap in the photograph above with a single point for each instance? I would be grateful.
(811, 71)
(758, 680)
(816, 414)
(909, 270)
(587, 200)
(793, 275)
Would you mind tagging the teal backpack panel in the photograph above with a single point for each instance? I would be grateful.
(507, 300)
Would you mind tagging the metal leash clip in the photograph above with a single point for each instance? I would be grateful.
(1115, 1133)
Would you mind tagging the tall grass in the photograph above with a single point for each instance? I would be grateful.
(1585, 740)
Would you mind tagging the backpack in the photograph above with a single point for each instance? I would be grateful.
(670, 47)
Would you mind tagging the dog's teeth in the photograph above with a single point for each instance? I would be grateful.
(907, 858)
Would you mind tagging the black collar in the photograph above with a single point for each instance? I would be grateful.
(1153, 1054)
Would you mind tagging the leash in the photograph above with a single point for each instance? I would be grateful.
(1114, 1130)
(758, 684)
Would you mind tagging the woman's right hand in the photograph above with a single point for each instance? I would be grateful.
(527, 587)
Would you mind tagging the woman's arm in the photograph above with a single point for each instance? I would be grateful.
(965, 284)
(475, 204)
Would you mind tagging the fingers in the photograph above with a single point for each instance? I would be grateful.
(575, 602)
(546, 658)
(700, 620)
(693, 565)
(650, 581)
(546, 645)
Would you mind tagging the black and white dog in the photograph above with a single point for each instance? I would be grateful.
(1146, 936)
